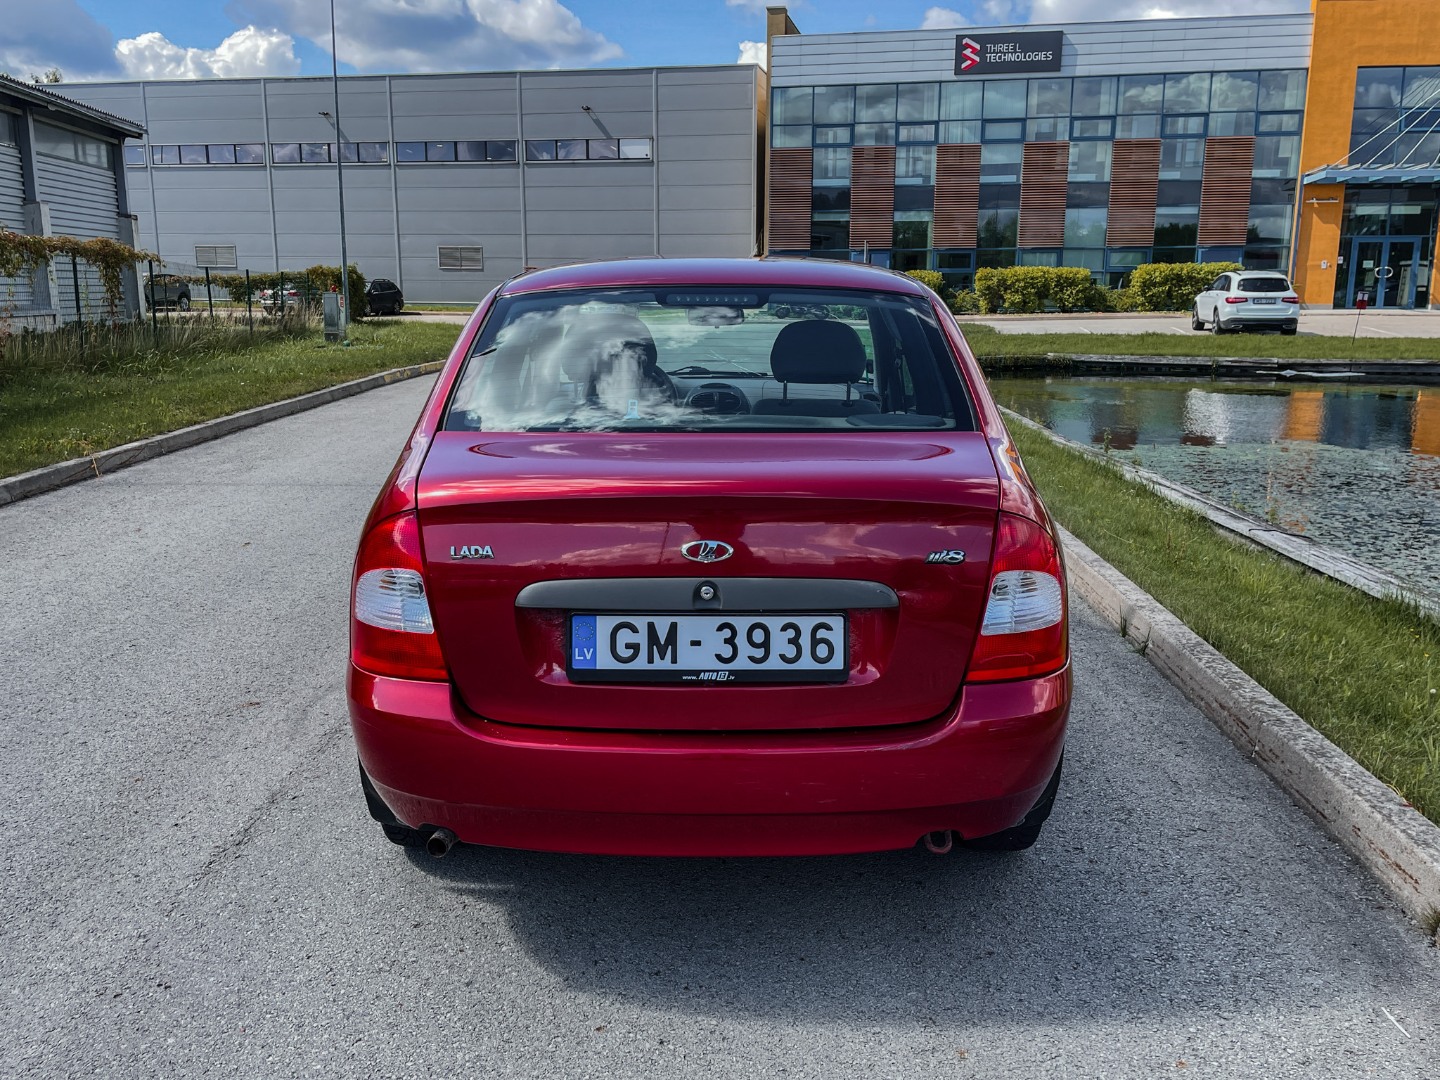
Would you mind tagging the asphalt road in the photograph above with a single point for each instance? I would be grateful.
(191, 887)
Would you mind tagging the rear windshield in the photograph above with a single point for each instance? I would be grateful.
(707, 358)
(1264, 284)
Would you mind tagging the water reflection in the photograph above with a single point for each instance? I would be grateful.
(1355, 466)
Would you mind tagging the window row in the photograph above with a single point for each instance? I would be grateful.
(378, 153)
(1276, 157)
(1397, 117)
(1084, 227)
(1005, 99)
(1045, 129)
(72, 146)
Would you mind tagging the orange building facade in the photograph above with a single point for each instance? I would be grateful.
(1370, 156)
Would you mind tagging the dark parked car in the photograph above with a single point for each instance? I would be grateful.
(167, 290)
(383, 297)
(671, 565)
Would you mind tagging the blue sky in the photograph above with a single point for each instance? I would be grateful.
(208, 38)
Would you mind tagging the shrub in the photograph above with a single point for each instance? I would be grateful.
(964, 302)
(931, 279)
(311, 282)
(1029, 289)
(1123, 299)
(1174, 286)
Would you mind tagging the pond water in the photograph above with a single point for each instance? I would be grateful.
(1356, 467)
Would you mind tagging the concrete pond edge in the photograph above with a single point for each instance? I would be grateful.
(50, 477)
(1398, 845)
(1300, 549)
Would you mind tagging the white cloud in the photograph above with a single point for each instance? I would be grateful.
(440, 35)
(939, 18)
(57, 33)
(754, 7)
(247, 52)
(752, 52)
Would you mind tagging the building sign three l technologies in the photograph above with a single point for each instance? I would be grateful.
(1002, 54)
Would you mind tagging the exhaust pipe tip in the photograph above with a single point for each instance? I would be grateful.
(940, 841)
(439, 843)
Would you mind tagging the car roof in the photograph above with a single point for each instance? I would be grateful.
(1258, 273)
(809, 273)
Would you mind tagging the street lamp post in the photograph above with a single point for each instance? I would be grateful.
(340, 180)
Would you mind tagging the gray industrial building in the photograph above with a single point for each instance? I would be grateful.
(60, 175)
(452, 182)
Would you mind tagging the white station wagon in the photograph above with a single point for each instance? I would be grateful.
(1247, 300)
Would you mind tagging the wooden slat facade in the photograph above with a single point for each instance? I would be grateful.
(957, 194)
(1044, 174)
(1225, 190)
(791, 182)
(1134, 188)
(872, 196)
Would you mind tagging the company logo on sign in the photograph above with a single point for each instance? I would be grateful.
(1002, 54)
(969, 54)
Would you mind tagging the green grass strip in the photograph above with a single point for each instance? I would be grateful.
(58, 401)
(1364, 672)
(988, 342)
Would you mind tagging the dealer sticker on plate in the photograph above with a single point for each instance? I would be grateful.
(707, 648)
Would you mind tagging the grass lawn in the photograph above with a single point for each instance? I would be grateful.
(1365, 672)
(988, 342)
(56, 403)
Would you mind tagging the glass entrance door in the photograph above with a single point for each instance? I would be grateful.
(1385, 272)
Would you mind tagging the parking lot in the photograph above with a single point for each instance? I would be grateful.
(191, 885)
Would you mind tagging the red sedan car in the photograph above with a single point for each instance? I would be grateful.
(710, 557)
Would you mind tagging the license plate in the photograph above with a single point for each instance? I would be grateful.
(1263, 300)
(706, 649)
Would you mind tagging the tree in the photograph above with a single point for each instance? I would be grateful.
(52, 75)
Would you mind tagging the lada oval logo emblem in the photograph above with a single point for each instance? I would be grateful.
(706, 550)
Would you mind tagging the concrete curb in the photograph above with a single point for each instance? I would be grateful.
(1398, 845)
(1301, 549)
(50, 477)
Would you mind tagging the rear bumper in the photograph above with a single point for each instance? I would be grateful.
(1251, 321)
(977, 770)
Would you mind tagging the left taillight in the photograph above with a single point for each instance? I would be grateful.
(391, 632)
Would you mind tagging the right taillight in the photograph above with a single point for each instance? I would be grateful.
(1290, 299)
(391, 632)
(1023, 634)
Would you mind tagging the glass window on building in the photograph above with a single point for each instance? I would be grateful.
(874, 134)
(830, 232)
(284, 153)
(1277, 155)
(504, 149)
(570, 150)
(1187, 93)
(1183, 125)
(469, 150)
(1269, 225)
(1049, 97)
(1085, 227)
(1047, 129)
(415, 151)
(1234, 91)
(961, 100)
(1000, 163)
(875, 104)
(1004, 99)
(912, 229)
(832, 136)
(834, 104)
(917, 102)
(220, 153)
(831, 165)
(311, 153)
(1004, 131)
(251, 153)
(1422, 88)
(1379, 88)
(1093, 96)
(1182, 159)
(1090, 162)
(960, 131)
(134, 153)
(439, 151)
(1141, 94)
(915, 165)
(1279, 123)
(1231, 123)
(1282, 91)
(792, 105)
(1176, 226)
(917, 133)
(1137, 127)
(191, 154)
(1096, 128)
(630, 150)
(604, 149)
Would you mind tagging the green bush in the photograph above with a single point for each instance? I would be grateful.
(1123, 299)
(931, 279)
(311, 282)
(1174, 286)
(1030, 289)
(964, 302)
